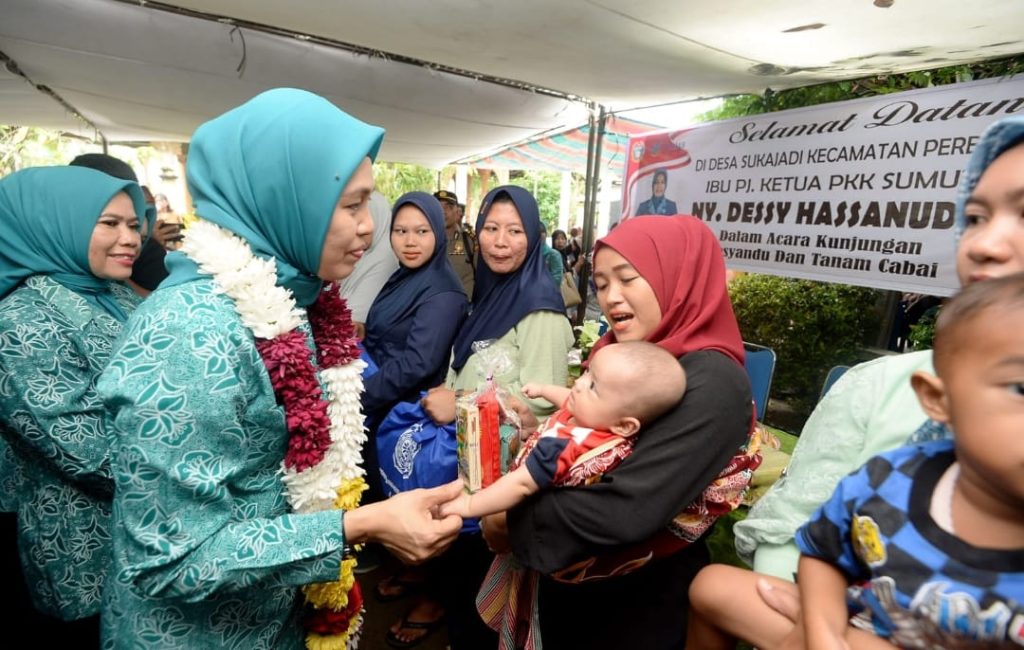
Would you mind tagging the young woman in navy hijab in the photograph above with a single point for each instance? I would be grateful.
(413, 321)
(409, 334)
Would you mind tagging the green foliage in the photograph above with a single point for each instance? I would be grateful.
(587, 336)
(812, 326)
(922, 333)
(721, 542)
(395, 179)
(770, 101)
(546, 188)
(24, 146)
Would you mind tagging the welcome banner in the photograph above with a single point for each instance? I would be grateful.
(860, 192)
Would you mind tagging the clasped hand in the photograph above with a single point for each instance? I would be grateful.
(408, 524)
(493, 527)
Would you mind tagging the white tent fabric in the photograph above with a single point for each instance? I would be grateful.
(145, 71)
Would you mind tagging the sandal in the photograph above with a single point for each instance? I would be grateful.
(398, 585)
(406, 624)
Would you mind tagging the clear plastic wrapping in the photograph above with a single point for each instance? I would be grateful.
(487, 427)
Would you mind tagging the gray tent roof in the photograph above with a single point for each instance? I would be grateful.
(450, 79)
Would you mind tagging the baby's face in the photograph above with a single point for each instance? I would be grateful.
(984, 384)
(598, 397)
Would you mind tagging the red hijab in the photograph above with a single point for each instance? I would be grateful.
(680, 258)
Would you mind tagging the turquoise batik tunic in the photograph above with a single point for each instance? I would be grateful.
(11, 470)
(56, 472)
(206, 554)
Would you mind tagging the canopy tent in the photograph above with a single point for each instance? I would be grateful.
(451, 79)
(566, 151)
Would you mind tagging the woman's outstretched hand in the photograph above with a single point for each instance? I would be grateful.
(439, 404)
(408, 524)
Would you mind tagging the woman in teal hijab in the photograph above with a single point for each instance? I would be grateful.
(49, 219)
(68, 236)
(210, 544)
(271, 172)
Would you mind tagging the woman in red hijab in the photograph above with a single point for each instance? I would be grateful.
(617, 557)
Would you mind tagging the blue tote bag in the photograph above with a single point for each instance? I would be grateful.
(413, 451)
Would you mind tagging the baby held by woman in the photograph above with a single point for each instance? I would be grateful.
(627, 385)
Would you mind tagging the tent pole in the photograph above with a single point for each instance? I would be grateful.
(590, 203)
(591, 137)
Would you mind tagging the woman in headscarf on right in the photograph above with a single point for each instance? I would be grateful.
(68, 238)
(872, 408)
(616, 558)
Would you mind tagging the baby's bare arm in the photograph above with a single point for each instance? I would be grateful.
(552, 393)
(507, 491)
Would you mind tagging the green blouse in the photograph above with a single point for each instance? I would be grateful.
(871, 409)
(539, 346)
(206, 553)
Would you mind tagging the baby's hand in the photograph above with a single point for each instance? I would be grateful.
(457, 506)
(532, 390)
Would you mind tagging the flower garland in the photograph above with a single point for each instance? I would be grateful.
(322, 466)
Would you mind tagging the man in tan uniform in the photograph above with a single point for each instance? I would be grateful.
(461, 246)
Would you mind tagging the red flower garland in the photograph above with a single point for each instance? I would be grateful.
(335, 336)
(292, 374)
(327, 622)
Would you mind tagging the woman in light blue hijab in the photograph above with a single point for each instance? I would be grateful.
(999, 138)
(207, 552)
(272, 171)
(68, 237)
